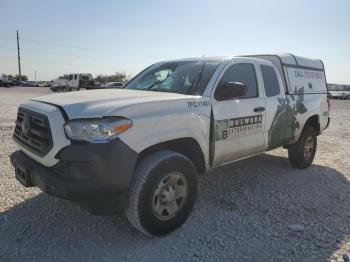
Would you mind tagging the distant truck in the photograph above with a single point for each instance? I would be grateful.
(142, 146)
(80, 80)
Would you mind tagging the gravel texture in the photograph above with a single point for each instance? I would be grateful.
(258, 209)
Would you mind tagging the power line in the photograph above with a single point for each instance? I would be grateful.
(85, 57)
(82, 48)
(51, 72)
(70, 55)
(7, 37)
(58, 63)
(4, 47)
(77, 56)
(8, 58)
(89, 49)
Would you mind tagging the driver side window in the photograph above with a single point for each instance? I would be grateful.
(243, 73)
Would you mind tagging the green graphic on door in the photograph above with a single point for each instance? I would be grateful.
(285, 122)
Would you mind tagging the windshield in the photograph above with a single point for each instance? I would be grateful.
(184, 77)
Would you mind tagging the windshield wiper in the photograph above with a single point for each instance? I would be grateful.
(156, 83)
(152, 85)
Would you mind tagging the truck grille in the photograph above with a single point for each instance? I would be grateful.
(33, 132)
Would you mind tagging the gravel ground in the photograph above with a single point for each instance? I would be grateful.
(258, 209)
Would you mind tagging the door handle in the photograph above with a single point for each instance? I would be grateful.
(259, 109)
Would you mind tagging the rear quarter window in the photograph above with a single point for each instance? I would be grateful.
(271, 84)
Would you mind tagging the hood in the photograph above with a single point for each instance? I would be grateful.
(97, 103)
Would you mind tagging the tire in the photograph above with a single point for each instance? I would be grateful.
(302, 153)
(152, 177)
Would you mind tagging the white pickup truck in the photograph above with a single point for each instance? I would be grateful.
(142, 146)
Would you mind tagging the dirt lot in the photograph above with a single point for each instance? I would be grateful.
(259, 209)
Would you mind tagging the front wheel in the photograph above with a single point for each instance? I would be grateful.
(162, 194)
(302, 153)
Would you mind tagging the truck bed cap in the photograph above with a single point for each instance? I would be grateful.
(300, 61)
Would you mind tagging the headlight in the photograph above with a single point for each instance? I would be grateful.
(96, 130)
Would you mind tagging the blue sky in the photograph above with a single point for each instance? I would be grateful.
(106, 36)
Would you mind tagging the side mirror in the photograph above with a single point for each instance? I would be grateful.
(230, 90)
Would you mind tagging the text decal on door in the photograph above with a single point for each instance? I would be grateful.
(229, 128)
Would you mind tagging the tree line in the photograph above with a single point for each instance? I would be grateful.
(15, 77)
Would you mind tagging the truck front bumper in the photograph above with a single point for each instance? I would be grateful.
(84, 171)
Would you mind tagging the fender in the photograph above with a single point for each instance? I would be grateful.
(162, 121)
(316, 106)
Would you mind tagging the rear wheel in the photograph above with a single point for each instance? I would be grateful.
(302, 153)
(163, 193)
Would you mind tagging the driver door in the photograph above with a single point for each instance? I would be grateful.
(239, 122)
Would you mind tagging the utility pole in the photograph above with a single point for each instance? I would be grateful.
(19, 58)
(35, 76)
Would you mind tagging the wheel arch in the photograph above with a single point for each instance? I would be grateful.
(313, 121)
(187, 146)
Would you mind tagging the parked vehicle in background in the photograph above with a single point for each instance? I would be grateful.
(58, 88)
(346, 95)
(339, 91)
(42, 84)
(32, 84)
(97, 85)
(27, 83)
(113, 85)
(62, 82)
(5, 82)
(16, 82)
(142, 146)
(59, 85)
(337, 94)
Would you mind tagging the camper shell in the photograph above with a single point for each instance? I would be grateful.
(298, 71)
